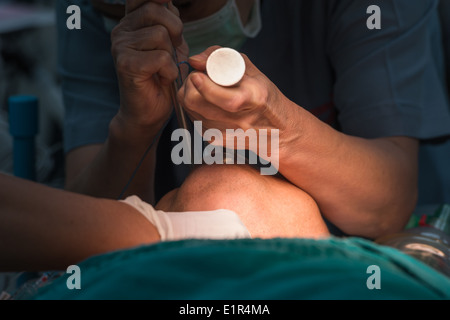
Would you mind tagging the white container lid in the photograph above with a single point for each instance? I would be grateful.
(225, 66)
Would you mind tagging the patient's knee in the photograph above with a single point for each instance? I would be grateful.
(268, 206)
(218, 187)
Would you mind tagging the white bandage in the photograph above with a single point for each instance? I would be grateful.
(216, 224)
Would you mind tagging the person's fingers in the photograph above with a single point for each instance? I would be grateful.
(213, 116)
(195, 104)
(231, 99)
(198, 62)
(140, 66)
(173, 9)
(132, 5)
(147, 39)
(150, 14)
(208, 124)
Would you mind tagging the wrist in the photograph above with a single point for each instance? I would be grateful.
(308, 140)
(124, 130)
(292, 131)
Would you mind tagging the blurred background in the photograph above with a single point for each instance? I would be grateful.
(28, 66)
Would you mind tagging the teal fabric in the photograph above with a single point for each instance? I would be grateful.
(287, 269)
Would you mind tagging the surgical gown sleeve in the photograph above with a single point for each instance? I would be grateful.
(389, 81)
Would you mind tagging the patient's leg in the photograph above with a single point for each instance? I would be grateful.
(267, 205)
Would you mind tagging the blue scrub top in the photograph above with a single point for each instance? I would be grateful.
(321, 55)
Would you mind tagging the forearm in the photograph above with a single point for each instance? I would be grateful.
(365, 187)
(42, 228)
(113, 165)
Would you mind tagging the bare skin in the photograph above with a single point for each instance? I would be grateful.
(242, 189)
(88, 167)
(69, 227)
(42, 228)
(366, 187)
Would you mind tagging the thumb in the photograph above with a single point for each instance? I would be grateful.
(198, 61)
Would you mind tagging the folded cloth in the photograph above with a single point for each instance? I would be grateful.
(253, 269)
